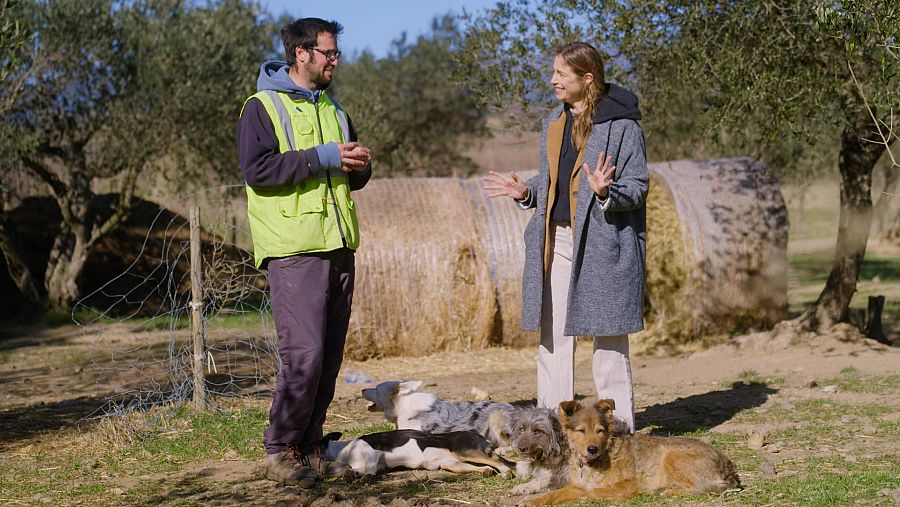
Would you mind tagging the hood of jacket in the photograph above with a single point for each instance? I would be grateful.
(617, 104)
(273, 75)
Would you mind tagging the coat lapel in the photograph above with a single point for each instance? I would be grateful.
(555, 132)
(554, 146)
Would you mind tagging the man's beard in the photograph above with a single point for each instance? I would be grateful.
(317, 77)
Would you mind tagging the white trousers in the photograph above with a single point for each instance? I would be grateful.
(610, 365)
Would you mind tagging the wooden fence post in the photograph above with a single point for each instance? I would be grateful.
(874, 329)
(197, 326)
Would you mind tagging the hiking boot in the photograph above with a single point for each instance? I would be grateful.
(317, 460)
(288, 467)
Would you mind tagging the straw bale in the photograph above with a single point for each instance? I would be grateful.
(732, 273)
(422, 272)
(440, 264)
(669, 259)
(500, 225)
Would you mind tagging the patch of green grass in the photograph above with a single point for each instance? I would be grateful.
(811, 223)
(818, 422)
(825, 482)
(811, 270)
(752, 377)
(43, 475)
(889, 427)
(89, 489)
(179, 321)
(57, 318)
(202, 436)
(850, 380)
(248, 320)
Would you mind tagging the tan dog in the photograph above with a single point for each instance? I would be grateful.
(608, 466)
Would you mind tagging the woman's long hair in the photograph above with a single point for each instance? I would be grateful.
(583, 59)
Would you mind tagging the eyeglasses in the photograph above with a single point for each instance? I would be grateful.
(330, 55)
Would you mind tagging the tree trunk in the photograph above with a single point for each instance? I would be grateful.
(856, 164)
(881, 226)
(18, 270)
(892, 230)
(67, 259)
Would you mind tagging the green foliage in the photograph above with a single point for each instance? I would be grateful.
(196, 435)
(715, 78)
(408, 108)
(117, 88)
(132, 82)
(13, 38)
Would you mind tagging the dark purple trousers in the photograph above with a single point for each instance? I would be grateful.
(311, 298)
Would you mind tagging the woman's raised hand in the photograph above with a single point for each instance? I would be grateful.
(510, 186)
(601, 178)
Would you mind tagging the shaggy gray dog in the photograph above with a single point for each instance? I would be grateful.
(537, 435)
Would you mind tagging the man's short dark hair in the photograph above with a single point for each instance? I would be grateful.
(304, 33)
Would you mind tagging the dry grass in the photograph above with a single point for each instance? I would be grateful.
(668, 319)
(423, 280)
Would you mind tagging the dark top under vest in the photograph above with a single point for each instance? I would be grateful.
(568, 155)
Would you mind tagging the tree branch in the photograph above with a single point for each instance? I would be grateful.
(48, 177)
(126, 193)
(887, 139)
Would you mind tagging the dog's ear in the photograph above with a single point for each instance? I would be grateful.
(333, 436)
(568, 409)
(409, 386)
(605, 406)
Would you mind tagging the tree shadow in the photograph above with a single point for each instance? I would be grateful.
(15, 336)
(702, 411)
(21, 423)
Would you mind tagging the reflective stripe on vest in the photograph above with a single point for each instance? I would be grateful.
(308, 217)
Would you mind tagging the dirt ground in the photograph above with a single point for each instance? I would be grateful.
(748, 386)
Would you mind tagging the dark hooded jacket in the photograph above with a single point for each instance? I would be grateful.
(616, 103)
(606, 290)
(262, 163)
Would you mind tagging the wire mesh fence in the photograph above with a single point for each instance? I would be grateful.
(141, 317)
(439, 268)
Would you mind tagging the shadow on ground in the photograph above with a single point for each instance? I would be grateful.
(702, 411)
(21, 423)
(14, 336)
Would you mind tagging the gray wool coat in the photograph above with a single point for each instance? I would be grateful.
(606, 291)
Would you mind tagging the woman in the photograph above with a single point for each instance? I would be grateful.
(585, 244)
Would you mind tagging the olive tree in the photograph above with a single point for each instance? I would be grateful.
(123, 86)
(760, 71)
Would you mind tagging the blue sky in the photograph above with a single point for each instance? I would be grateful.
(373, 24)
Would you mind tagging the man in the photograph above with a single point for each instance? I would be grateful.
(300, 158)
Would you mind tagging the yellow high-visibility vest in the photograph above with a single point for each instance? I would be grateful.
(316, 215)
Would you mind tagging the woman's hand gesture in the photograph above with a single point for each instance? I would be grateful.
(510, 186)
(601, 178)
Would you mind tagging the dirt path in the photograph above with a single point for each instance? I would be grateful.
(759, 383)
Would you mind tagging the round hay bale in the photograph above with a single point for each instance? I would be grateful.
(500, 224)
(440, 264)
(716, 251)
(422, 280)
